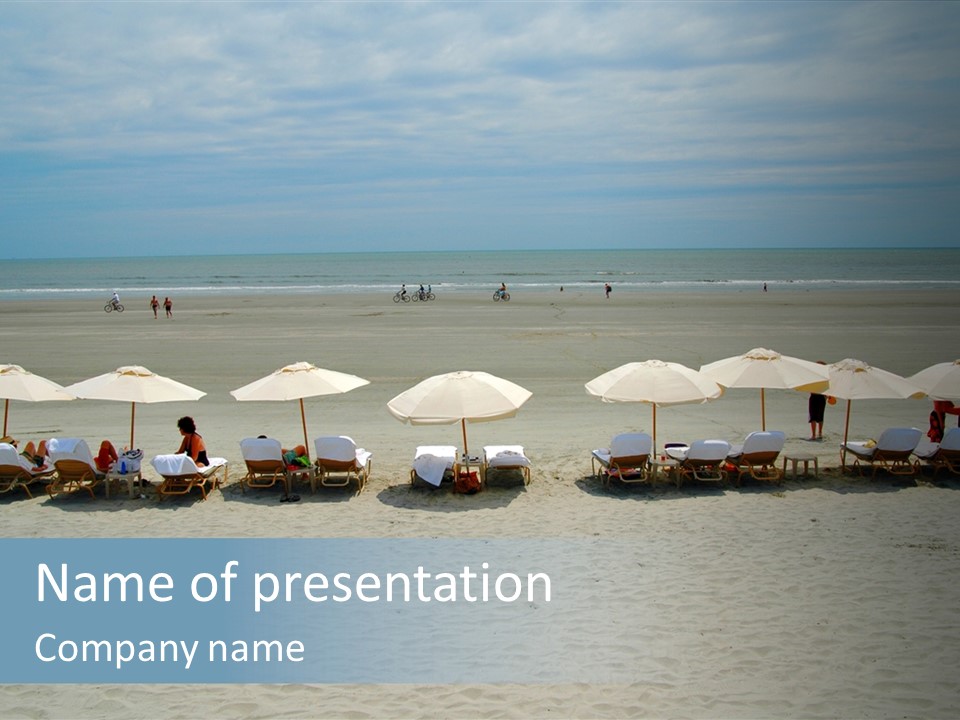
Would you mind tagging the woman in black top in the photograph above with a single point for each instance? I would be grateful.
(192, 443)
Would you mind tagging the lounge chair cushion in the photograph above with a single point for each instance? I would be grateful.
(701, 451)
(261, 449)
(951, 440)
(926, 449)
(766, 441)
(895, 440)
(340, 448)
(71, 449)
(505, 456)
(625, 445)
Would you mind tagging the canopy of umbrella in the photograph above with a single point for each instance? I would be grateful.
(19, 384)
(654, 382)
(462, 396)
(762, 368)
(296, 382)
(133, 384)
(941, 381)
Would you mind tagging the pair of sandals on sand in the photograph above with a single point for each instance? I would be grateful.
(291, 497)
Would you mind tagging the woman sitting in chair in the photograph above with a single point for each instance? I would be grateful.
(192, 443)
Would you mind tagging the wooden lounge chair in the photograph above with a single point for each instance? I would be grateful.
(75, 468)
(432, 464)
(702, 461)
(944, 455)
(757, 456)
(504, 457)
(18, 472)
(891, 452)
(265, 465)
(181, 474)
(339, 462)
(627, 459)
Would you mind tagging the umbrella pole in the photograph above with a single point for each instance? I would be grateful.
(654, 428)
(763, 411)
(133, 416)
(843, 448)
(6, 409)
(466, 452)
(303, 420)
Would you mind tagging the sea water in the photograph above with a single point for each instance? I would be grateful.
(476, 272)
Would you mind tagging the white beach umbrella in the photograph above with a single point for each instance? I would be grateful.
(654, 382)
(19, 384)
(762, 368)
(856, 380)
(462, 396)
(296, 382)
(940, 381)
(133, 384)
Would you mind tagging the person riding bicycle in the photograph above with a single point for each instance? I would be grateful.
(403, 290)
(115, 300)
(502, 290)
(421, 292)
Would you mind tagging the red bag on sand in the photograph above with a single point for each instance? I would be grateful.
(467, 483)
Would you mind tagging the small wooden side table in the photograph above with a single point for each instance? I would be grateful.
(806, 459)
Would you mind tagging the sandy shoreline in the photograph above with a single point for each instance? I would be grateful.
(820, 598)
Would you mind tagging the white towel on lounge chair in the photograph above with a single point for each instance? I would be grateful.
(181, 464)
(432, 462)
(505, 456)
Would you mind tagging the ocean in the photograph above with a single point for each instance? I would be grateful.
(481, 272)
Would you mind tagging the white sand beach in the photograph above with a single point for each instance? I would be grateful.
(818, 598)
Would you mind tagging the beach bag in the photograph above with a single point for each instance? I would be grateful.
(467, 483)
(130, 459)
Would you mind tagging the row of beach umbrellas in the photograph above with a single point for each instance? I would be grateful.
(472, 396)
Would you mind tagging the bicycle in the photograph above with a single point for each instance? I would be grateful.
(111, 306)
(501, 295)
(401, 297)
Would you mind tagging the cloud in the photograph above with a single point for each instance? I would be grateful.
(287, 114)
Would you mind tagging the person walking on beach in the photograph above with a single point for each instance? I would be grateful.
(168, 306)
(606, 290)
(154, 304)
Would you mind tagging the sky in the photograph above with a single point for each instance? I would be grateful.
(138, 129)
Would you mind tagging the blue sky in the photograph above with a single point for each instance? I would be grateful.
(208, 128)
